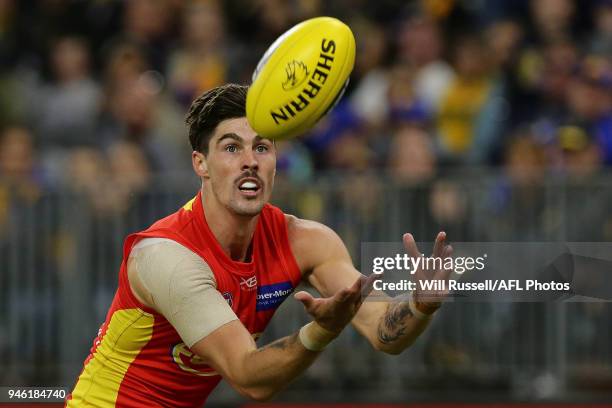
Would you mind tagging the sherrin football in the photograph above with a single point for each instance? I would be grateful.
(300, 77)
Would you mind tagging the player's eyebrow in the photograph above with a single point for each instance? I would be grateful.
(258, 138)
(230, 136)
(239, 139)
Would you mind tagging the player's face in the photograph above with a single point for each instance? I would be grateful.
(240, 167)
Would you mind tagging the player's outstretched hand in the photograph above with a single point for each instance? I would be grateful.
(428, 301)
(335, 312)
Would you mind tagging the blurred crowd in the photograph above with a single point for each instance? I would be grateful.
(101, 87)
(93, 96)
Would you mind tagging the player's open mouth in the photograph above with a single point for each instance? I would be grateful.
(249, 187)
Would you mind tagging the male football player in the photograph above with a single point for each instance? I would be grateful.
(197, 287)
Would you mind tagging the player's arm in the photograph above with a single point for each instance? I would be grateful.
(181, 286)
(259, 373)
(389, 326)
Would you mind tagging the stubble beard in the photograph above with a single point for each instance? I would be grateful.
(245, 209)
(240, 206)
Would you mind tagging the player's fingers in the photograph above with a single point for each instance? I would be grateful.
(306, 299)
(357, 289)
(411, 245)
(439, 244)
(448, 251)
(342, 295)
(357, 285)
(368, 284)
(360, 289)
(444, 273)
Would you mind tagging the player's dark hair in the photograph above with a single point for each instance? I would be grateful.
(211, 108)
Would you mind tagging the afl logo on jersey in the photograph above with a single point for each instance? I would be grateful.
(229, 298)
(190, 362)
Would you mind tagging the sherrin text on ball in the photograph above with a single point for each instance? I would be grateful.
(300, 77)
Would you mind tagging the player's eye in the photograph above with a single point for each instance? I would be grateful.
(261, 148)
(232, 148)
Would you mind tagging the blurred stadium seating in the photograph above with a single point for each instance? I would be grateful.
(61, 252)
(489, 119)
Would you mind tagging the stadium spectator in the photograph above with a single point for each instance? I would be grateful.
(412, 159)
(465, 121)
(553, 20)
(20, 182)
(69, 105)
(293, 162)
(370, 80)
(589, 101)
(516, 207)
(135, 113)
(421, 46)
(581, 155)
(125, 62)
(22, 290)
(201, 62)
(150, 25)
(582, 162)
(111, 182)
(601, 38)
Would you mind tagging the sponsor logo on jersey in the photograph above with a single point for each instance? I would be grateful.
(190, 362)
(271, 296)
(248, 283)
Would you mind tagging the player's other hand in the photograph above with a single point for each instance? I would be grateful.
(335, 312)
(428, 301)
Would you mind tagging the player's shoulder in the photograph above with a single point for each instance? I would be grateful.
(311, 241)
(298, 228)
(163, 258)
(161, 246)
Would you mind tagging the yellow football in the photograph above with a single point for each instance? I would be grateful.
(300, 77)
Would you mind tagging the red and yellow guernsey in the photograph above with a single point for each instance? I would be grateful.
(139, 360)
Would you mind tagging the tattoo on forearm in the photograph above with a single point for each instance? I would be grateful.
(393, 324)
(281, 344)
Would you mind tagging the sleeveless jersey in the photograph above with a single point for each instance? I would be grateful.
(139, 360)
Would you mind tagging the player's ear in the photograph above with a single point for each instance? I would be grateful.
(200, 165)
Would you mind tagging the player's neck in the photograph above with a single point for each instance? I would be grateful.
(233, 232)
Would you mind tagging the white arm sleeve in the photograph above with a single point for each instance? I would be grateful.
(182, 287)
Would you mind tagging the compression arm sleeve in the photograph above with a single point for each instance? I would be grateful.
(181, 286)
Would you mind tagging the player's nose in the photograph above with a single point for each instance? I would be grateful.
(249, 160)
